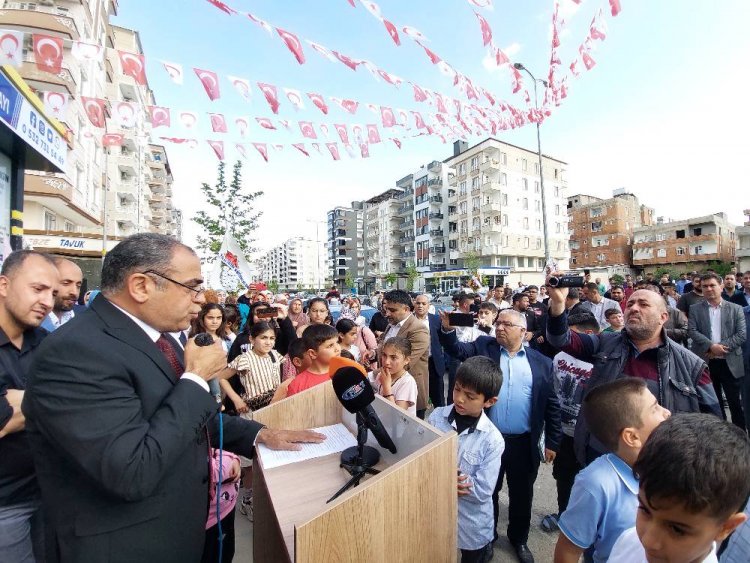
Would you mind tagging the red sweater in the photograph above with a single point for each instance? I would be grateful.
(305, 380)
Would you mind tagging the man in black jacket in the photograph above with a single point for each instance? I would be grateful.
(120, 423)
(27, 284)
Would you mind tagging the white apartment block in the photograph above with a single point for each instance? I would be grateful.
(743, 244)
(381, 238)
(296, 264)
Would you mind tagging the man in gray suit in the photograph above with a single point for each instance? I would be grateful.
(718, 331)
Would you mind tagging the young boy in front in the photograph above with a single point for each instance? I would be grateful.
(321, 343)
(694, 482)
(621, 415)
(480, 446)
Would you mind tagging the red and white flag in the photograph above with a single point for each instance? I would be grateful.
(210, 82)
(241, 149)
(347, 105)
(223, 7)
(387, 117)
(364, 150)
(278, 148)
(414, 33)
(350, 151)
(94, 108)
(615, 7)
(85, 52)
(419, 94)
(113, 139)
(348, 61)
(160, 116)
(285, 124)
(598, 30)
(307, 130)
(11, 48)
(271, 95)
(418, 120)
(396, 142)
(343, 132)
(301, 148)
(242, 125)
(242, 85)
(177, 140)
(434, 58)
(188, 119)
(486, 29)
(218, 123)
(265, 123)
(517, 80)
(392, 31)
(390, 78)
(373, 135)
(573, 68)
(293, 44)
(588, 60)
(319, 102)
(295, 97)
(174, 71)
(334, 150)
(56, 104)
(218, 147)
(373, 8)
(316, 146)
(262, 23)
(357, 133)
(124, 114)
(262, 149)
(133, 65)
(325, 51)
(48, 53)
(324, 129)
(484, 3)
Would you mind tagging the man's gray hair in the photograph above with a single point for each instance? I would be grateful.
(518, 317)
(137, 254)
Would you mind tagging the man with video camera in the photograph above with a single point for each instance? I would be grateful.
(678, 378)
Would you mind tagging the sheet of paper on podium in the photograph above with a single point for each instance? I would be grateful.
(338, 438)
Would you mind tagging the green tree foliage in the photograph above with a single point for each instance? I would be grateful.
(391, 279)
(472, 263)
(227, 209)
(411, 276)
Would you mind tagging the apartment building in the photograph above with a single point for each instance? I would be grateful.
(495, 212)
(601, 230)
(346, 250)
(743, 244)
(685, 245)
(382, 233)
(296, 264)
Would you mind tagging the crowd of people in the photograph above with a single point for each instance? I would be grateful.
(108, 407)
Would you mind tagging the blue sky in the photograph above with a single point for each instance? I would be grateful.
(663, 113)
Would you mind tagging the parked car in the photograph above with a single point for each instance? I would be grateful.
(367, 312)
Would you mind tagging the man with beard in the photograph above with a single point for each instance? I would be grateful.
(617, 295)
(691, 296)
(68, 290)
(678, 378)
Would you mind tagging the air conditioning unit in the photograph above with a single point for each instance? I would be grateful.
(47, 2)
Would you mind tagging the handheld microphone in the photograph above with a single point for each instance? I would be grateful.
(355, 393)
(205, 339)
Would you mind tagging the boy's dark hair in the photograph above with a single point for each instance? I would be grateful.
(530, 287)
(315, 335)
(345, 325)
(518, 297)
(610, 408)
(398, 296)
(399, 343)
(609, 312)
(487, 306)
(482, 375)
(296, 349)
(698, 461)
(584, 320)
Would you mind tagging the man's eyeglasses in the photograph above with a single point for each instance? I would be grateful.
(197, 290)
(506, 324)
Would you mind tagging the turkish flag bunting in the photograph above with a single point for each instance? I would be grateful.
(223, 7)
(264, 24)
(334, 150)
(293, 44)
(307, 130)
(615, 7)
(113, 140)
(419, 120)
(392, 31)
(390, 78)
(433, 57)
(262, 149)
(295, 96)
(351, 63)
(85, 52)
(598, 30)
(396, 142)
(188, 119)
(11, 48)
(124, 113)
(301, 148)
(272, 97)
(573, 70)
(265, 123)
(386, 115)
(56, 104)
(484, 3)
(486, 30)
(241, 149)
(94, 108)
(218, 147)
(588, 60)
(517, 80)
(373, 135)
(174, 71)
(159, 116)
(242, 85)
(364, 150)
(347, 105)
(210, 82)
(133, 65)
(324, 128)
(343, 132)
(48, 53)
(242, 125)
(319, 102)
(419, 94)
(218, 123)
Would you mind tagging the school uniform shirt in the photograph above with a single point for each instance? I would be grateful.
(403, 389)
(603, 504)
(629, 549)
(258, 374)
(480, 448)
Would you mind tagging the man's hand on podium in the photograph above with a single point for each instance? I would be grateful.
(287, 439)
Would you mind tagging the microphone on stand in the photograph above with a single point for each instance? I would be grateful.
(205, 339)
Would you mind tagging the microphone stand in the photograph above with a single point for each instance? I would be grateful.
(358, 460)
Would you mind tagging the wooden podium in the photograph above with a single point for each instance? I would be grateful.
(405, 513)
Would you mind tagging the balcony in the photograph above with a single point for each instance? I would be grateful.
(436, 216)
(434, 166)
(476, 189)
(57, 194)
(435, 182)
(437, 249)
(38, 21)
(437, 267)
(30, 73)
(406, 195)
(406, 208)
(436, 199)
(491, 206)
(490, 164)
(437, 233)
(407, 238)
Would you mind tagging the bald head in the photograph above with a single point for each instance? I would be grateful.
(68, 286)
(421, 306)
(645, 315)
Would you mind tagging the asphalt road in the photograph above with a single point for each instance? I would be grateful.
(541, 544)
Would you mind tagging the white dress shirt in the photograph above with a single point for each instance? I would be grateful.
(394, 329)
(714, 315)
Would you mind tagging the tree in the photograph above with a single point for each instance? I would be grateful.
(411, 276)
(391, 279)
(618, 279)
(228, 209)
(348, 281)
(472, 263)
(273, 285)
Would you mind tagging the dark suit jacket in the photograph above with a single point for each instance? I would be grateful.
(733, 333)
(739, 298)
(437, 361)
(119, 446)
(545, 406)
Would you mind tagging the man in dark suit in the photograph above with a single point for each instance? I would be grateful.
(526, 406)
(68, 291)
(436, 362)
(119, 429)
(717, 330)
(742, 296)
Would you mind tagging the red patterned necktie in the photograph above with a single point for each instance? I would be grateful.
(169, 353)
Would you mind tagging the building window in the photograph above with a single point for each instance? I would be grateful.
(475, 203)
(596, 226)
(601, 257)
(475, 164)
(503, 179)
(537, 205)
(538, 243)
(536, 168)
(50, 221)
(525, 242)
(524, 165)
(661, 252)
(525, 184)
(69, 228)
(557, 191)
(525, 203)
(497, 219)
(462, 188)
(505, 220)
(525, 222)
(504, 158)
(680, 251)
(462, 169)
(462, 207)
(536, 187)
(557, 173)
(475, 183)
(698, 249)
(505, 199)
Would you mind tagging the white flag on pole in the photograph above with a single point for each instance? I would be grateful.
(236, 273)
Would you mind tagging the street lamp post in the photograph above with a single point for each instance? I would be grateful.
(519, 66)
